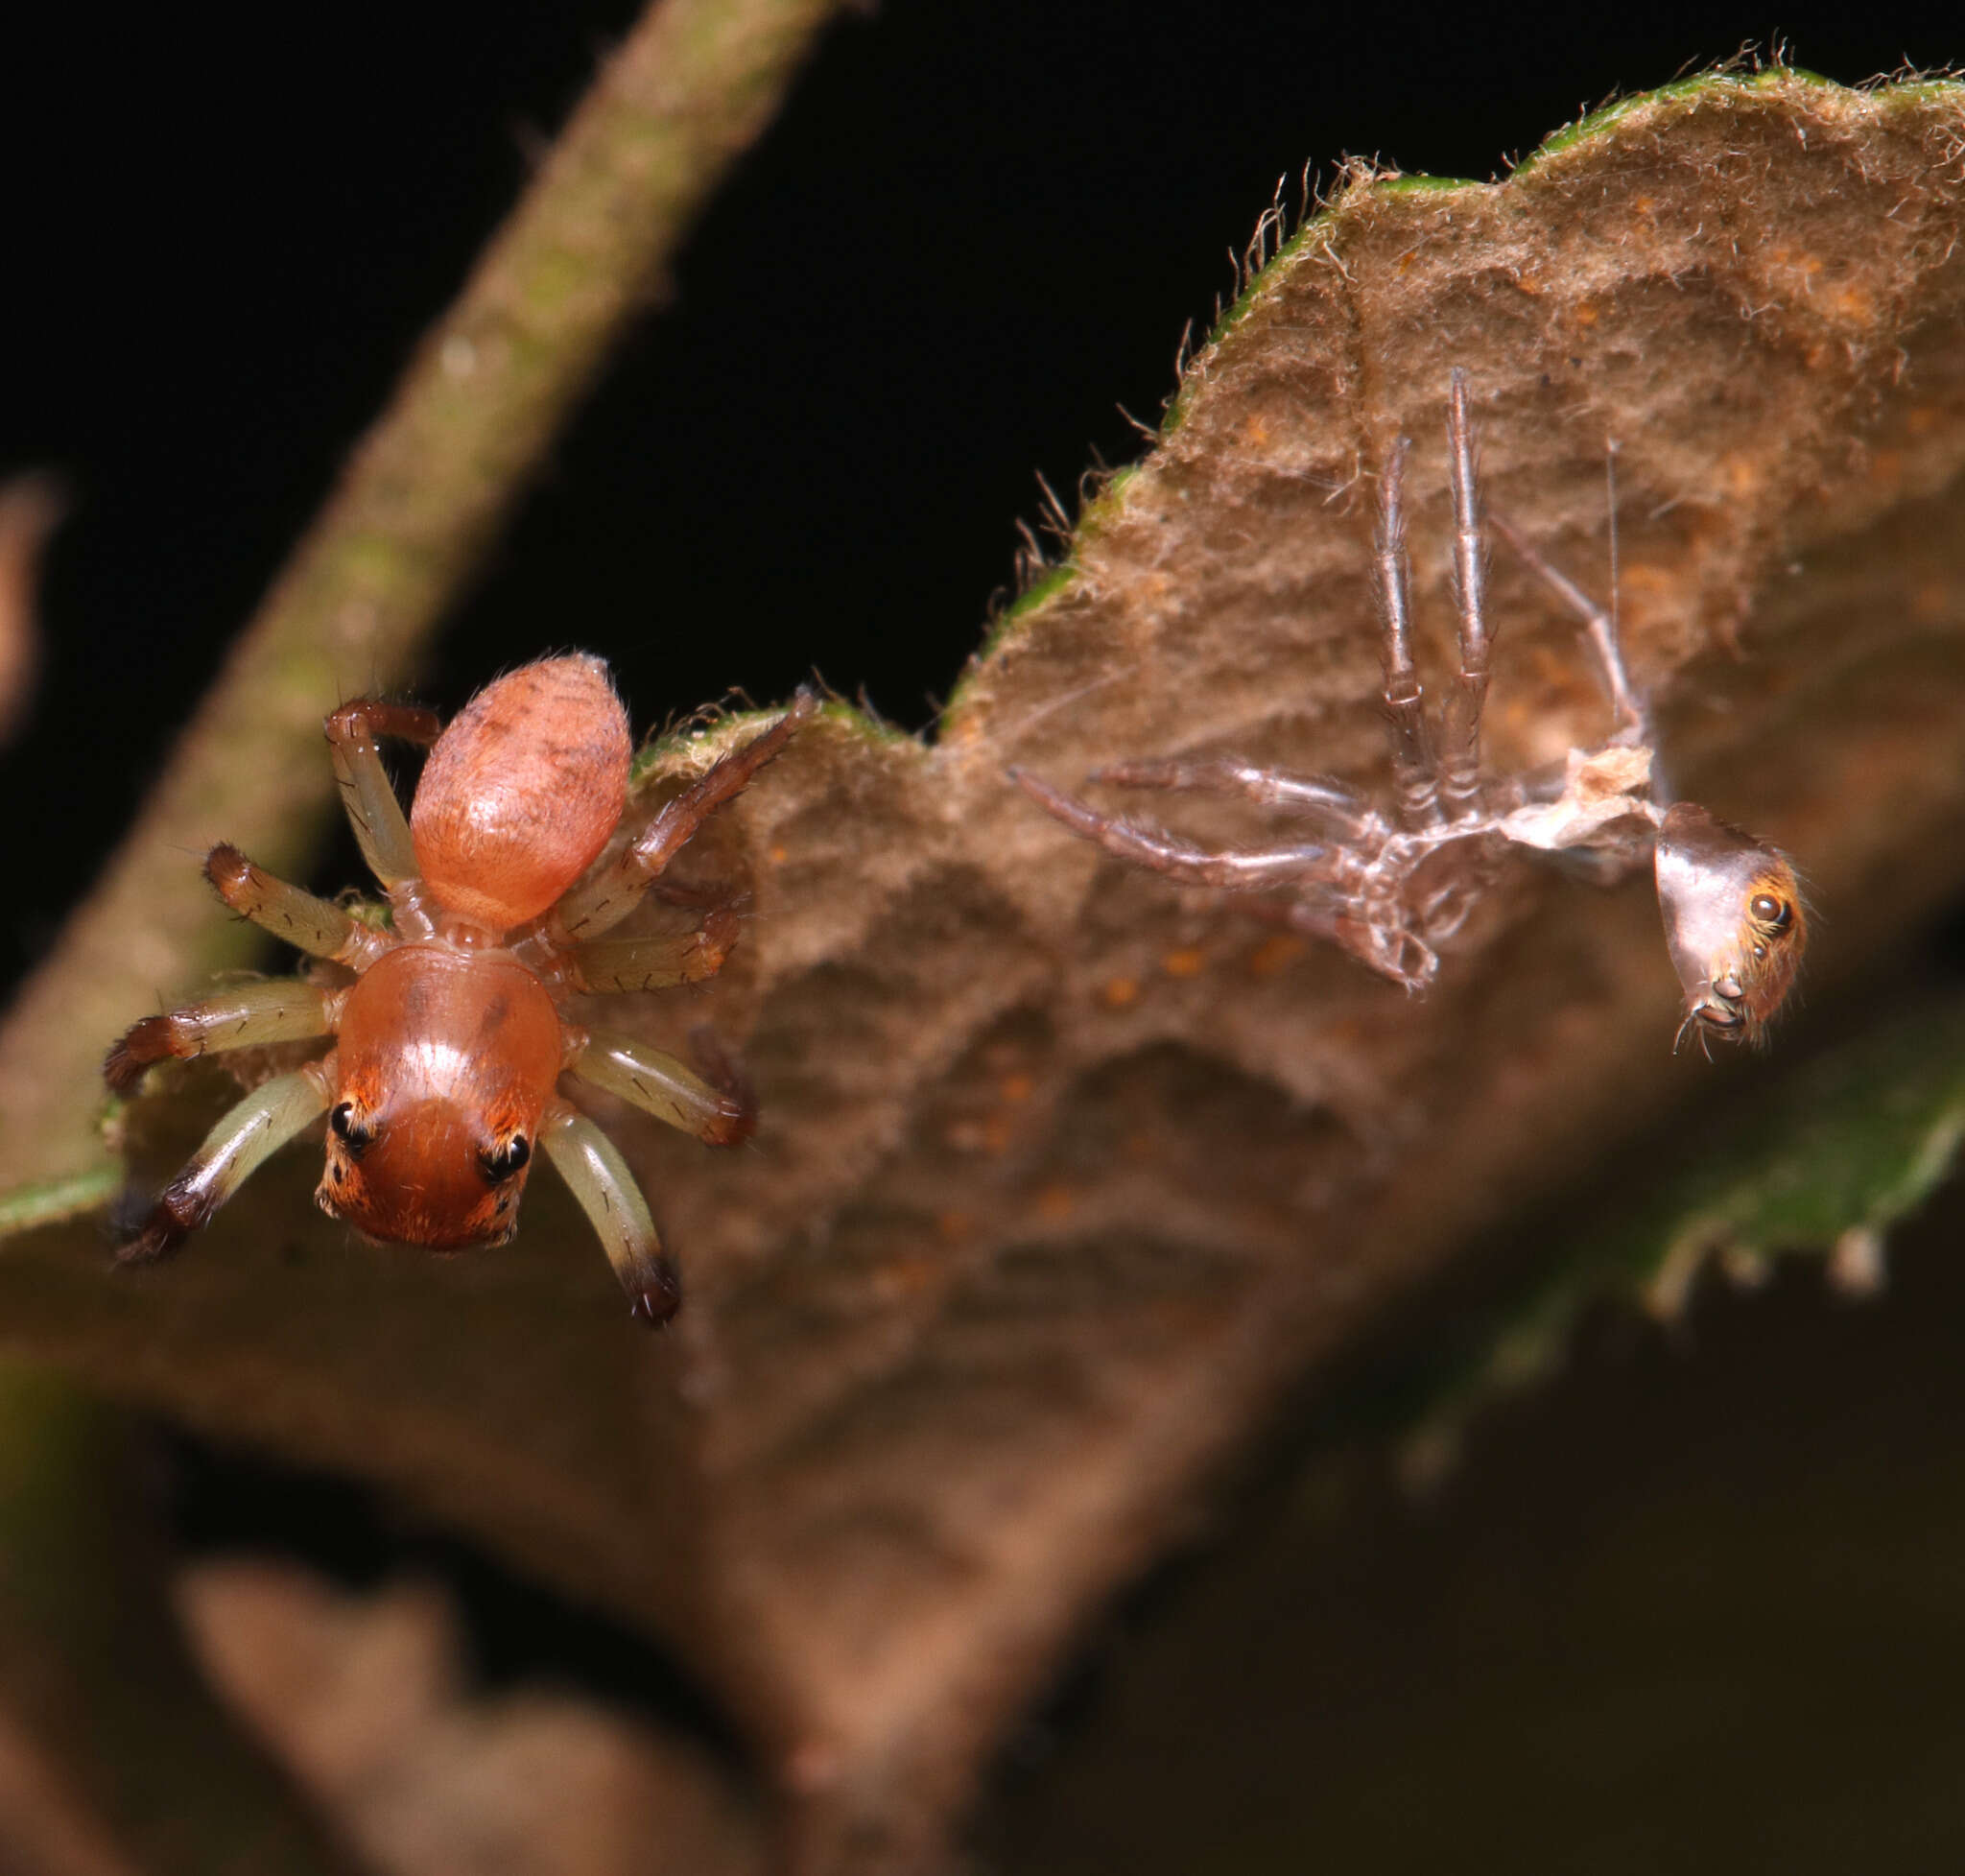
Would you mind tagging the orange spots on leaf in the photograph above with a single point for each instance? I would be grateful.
(1017, 1088)
(1055, 1203)
(1119, 991)
(1187, 961)
(1274, 954)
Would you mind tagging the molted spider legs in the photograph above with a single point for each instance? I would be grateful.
(598, 1178)
(1252, 869)
(1413, 763)
(1598, 626)
(319, 927)
(1315, 796)
(258, 1127)
(659, 1085)
(376, 815)
(616, 888)
(1460, 761)
(245, 1017)
(1391, 950)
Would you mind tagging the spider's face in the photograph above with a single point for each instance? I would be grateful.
(425, 1170)
(1734, 923)
(446, 1061)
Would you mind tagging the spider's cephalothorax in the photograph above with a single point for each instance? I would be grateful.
(451, 1039)
(1391, 884)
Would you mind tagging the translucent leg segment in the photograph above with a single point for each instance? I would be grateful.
(659, 1085)
(246, 1016)
(598, 1178)
(1412, 762)
(258, 1127)
(1459, 762)
(374, 811)
(1598, 626)
(1315, 795)
(1254, 869)
(319, 927)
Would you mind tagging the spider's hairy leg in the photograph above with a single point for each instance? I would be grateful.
(599, 1179)
(247, 1136)
(381, 828)
(605, 966)
(1412, 762)
(246, 1016)
(1316, 797)
(657, 1084)
(319, 927)
(1598, 627)
(1460, 761)
(1248, 869)
(609, 894)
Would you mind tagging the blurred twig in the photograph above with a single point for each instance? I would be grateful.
(114, 1755)
(31, 509)
(580, 255)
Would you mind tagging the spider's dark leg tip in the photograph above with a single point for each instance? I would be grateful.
(227, 867)
(140, 1045)
(173, 1219)
(654, 1306)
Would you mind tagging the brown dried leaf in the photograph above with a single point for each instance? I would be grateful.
(1065, 1175)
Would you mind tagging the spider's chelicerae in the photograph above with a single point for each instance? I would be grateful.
(1392, 885)
(451, 1039)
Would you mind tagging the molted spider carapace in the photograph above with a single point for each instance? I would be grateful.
(1390, 886)
(450, 1041)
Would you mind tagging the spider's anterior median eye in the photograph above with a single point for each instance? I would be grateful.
(352, 1133)
(502, 1162)
(1768, 911)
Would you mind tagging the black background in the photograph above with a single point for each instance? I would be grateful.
(976, 231)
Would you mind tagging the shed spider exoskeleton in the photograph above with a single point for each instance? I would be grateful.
(1390, 888)
(451, 1038)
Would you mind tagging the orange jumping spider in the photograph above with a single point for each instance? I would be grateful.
(451, 1041)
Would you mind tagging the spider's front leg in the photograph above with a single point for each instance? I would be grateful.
(243, 1139)
(247, 1017)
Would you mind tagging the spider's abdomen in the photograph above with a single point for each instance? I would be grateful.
(522, 791)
